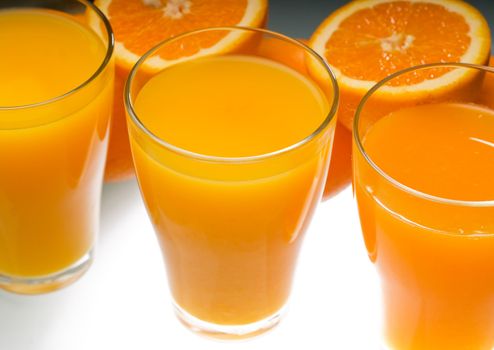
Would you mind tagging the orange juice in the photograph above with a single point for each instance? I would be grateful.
(435, 256)
(230, 229)
(52, 147)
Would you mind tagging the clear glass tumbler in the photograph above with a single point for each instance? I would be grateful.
(229, 215)
(423, 161)
(56, 87)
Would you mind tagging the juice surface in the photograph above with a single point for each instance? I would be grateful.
(230, 233)
(436, 260)
(446, 150)
(51, 156)
(231, 106)
(45, 54)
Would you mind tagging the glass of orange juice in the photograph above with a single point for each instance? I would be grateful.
(230, 149)
(56, 86)
(423, 165)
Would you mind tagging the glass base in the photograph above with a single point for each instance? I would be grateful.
(50, 283)
(228, 332)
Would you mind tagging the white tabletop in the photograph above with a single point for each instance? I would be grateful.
(123, 301)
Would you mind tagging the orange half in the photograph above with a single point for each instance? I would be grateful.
(141, 24)
(367, 40)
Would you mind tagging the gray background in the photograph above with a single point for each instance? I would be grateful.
(299, 18)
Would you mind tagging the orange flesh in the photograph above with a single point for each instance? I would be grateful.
(230, 234)
(49, 195)
(203, 14)
(397, 35)
(435, 260)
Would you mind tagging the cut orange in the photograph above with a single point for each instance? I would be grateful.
(367, 40)
(139, 25)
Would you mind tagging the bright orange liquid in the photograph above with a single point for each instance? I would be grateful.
(436, 260)
(231, 233)
(51, 155)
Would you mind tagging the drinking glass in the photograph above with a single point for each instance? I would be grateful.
(230, 227)
(429, 229)
(52, 145)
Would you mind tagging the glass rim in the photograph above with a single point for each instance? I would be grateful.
(389, 178)
(109, 52)
(129, 103)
